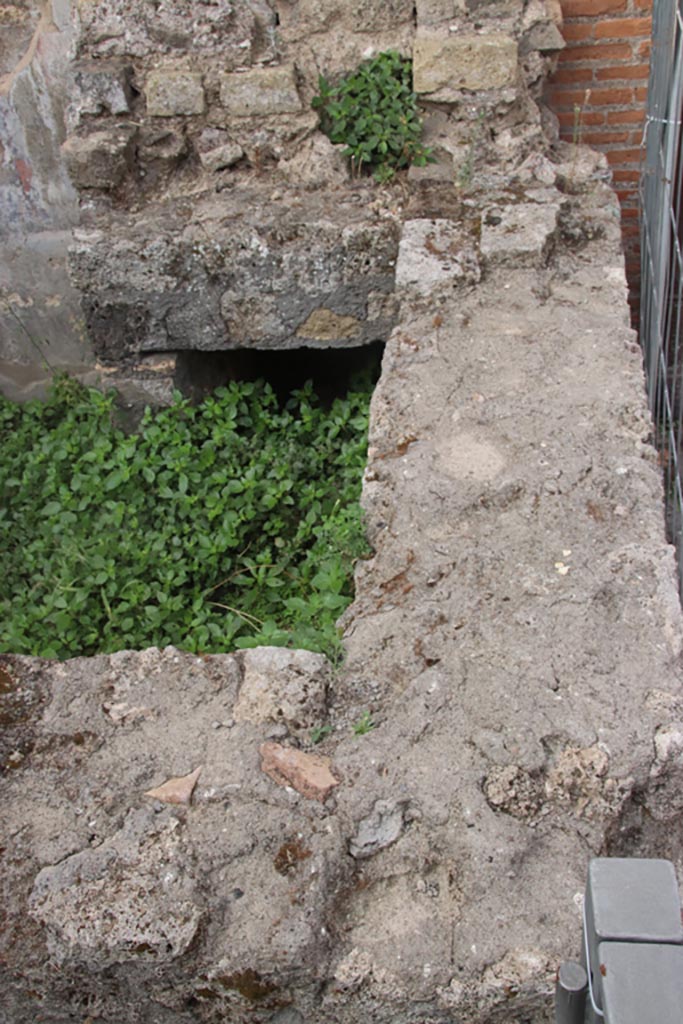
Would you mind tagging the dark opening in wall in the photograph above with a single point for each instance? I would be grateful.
(331, 371)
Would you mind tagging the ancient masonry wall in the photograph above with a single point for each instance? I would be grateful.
(176, 849)
(604, 70)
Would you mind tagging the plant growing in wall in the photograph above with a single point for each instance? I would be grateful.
(373, 113)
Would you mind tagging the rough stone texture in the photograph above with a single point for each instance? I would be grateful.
(283, 686)
(99, 160)
(171, 92)
(99, 87)
(238, 31)
(444, 65)
(520, 232)
(261, 92)
(516, 638)
(247, 270)
(217, 151)
(433, 252)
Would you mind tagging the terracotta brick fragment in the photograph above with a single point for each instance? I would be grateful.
(309, 774)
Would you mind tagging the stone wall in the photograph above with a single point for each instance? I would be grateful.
(213, 213)
(604, 70)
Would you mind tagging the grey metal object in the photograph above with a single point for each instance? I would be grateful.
(661, 191)
(570, 993)
(632, 947)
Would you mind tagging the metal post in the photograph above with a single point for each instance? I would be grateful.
(570, 993)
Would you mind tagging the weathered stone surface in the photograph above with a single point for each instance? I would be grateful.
(519, 232)
(124, 900)
(217, 150)
(246, 271)
(545, 37)
(101, 159)
(308, 774)
(324, 325)
(380, 829)
(280, 685)
(445, 65)
(236, 31)
(99, 87)
(260, 92)
(580, 168)
(171, 92)
(436, 12)
(433, 253)
(317, 163)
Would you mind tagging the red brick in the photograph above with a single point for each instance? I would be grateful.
(629, 213)
(591, 8)
(309, 774)
(623, 156)
(576, 31)
(641, 5)
(640, 93)
(605, 138)
(644, 49)
(628, 175)
(611, 97)
(573, 75)
(567, 118)
(626, 194)
(621, 28)
(625, 116)
(624, 72)
(630, 231)
(596, 51)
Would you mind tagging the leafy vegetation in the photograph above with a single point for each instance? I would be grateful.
(229, 524)
(373, 113)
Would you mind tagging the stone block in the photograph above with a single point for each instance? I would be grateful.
(544, 36)
(260, 92)
(217, 150)
(520, 232)
(436, 12)
(433, 253)
(99, 87)
(445, 65)
(285, 686)
(101, 159)
(171, 93)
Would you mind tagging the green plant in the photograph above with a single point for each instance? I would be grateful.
(364, 725)
(228, 524)
(463, 178)
(373, 113)
(320, 732)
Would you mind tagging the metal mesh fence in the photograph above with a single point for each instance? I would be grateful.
(662, 261)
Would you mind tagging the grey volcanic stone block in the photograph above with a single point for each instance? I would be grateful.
(170, 93)
(101, 159)
(243, 270)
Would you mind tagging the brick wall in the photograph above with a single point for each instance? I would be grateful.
(608, 49)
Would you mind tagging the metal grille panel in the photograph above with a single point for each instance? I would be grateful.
(661, 260)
